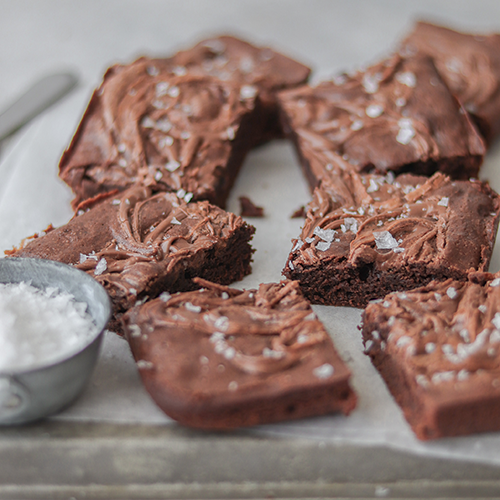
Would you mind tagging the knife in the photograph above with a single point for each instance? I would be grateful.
(36, 99)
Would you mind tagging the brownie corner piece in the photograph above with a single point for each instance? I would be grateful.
(397, 115)
(367, 235)
(221, 358)
(469, 63)
(437, 348)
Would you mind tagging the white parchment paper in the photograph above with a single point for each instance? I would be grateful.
(32, 196)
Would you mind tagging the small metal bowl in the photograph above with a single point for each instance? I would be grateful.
(30, 394)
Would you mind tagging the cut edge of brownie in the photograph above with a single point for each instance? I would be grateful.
(339, 280)
(457, 167)
(223, 264)
(339, 283)
(311, 402)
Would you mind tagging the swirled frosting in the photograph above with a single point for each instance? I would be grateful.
(149, 124)
(220, 345)
(180, 124)
(137, 244)
(229, 58)
(470, 66)
(397, 115)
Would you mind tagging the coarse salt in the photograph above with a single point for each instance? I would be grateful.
(40, 327)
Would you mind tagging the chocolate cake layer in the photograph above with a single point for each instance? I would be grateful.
(155, 124)
(220, 358)
(368, 235)
(396, 116)
(470, 66)
(138, 245)
(230, 58)
(437, 349)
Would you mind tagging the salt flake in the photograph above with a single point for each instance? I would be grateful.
(374, 110)
(172, 165)
(407, 78)
(248, 92)
(325, 234)
(495, 282)
(384, 240)
(102, 265)
(191, 307)
(324, 371)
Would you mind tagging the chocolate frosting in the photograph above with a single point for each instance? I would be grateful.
(230, 58)
(383, 118)
(155, 124)
(446, 335)
(470, 66)
(286, 325)
(394, 222)
(216, 348)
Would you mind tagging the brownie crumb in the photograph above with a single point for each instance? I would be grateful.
(249, 209)
(300, 213)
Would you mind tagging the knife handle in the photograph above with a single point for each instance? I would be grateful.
(36, 99)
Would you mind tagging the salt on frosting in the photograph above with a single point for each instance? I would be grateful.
(39, 327)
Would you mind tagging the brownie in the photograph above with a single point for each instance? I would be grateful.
(249, 209)
(437, 349)
(155, 124)
(180, 123)
(220, 358)
(368, 235)
(230, 58)
(397, 115)
(138, 245)
(470, 66)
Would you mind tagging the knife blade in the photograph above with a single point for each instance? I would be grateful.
(36, 99)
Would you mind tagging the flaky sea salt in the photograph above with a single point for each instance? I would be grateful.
(374, 110)
(407, 78)
(324, 371)
(406, 131)
(40, 327)
(384, 240)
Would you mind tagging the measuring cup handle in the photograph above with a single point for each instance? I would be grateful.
(14, 398)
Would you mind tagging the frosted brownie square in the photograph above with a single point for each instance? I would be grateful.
(220, 358)
(397, 115)
(367, 235)
(151, 124)
(438, 350)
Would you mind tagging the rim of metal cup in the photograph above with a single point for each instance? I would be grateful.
(78, 279)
